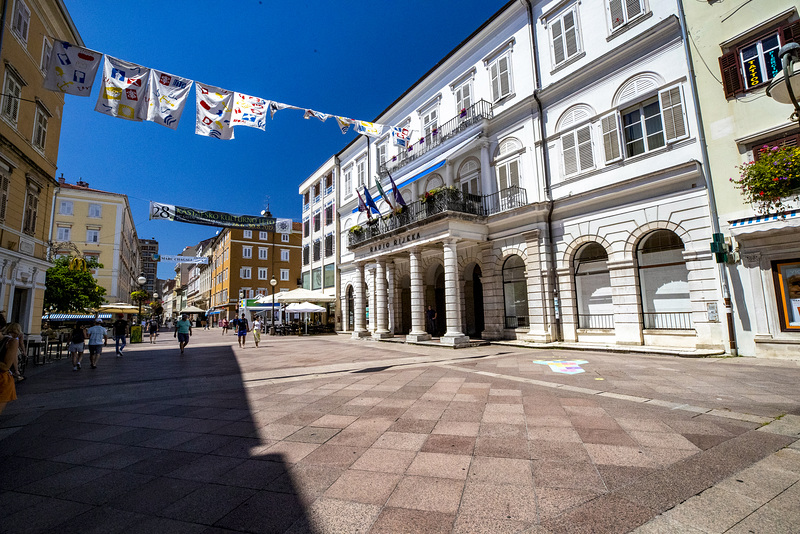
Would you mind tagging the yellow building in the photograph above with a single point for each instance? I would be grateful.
(30, 124)
(99, 225)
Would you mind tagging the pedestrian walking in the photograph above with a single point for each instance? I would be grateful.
(120, 331)
(9, 350)
(431, 313)
(153, 329)
(224, 324)
(183, 329)
(242, 328)
(204, 322)
(76, 345)
(257, 330)
(97, 338)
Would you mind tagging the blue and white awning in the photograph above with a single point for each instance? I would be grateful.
(74, 316)
(765, 223)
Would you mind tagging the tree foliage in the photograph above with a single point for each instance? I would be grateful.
(140, 296)
(72, 289)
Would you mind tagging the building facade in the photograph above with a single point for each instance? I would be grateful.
(321, 234)
(98, 224)
(30, 125)
(553, 189)
(148, 250)
(740, 43)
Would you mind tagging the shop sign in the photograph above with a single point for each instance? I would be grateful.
(397, 241)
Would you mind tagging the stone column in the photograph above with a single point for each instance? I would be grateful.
(381, 303)
(627, 303)
(448, 173)
(487, 184)
(493, 306)
(391, 290)
(359, 329)
(539, 293)
(418, 332)
(453, 337)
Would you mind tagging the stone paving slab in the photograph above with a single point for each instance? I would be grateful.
(330, 434)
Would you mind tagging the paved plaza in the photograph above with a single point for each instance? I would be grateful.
(328, 434)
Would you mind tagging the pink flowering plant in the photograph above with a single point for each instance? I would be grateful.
(771, 180)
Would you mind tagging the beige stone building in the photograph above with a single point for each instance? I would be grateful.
(30, 125)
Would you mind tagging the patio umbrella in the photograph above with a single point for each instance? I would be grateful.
(192, 309)
(118, 307)
(303, 295)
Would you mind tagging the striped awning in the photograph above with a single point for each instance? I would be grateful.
(72, 316)
(765, 223)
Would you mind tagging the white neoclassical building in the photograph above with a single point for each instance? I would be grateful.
(553, 186)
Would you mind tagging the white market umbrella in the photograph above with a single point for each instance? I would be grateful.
(307, 307)
(303, 295)
(192, 309)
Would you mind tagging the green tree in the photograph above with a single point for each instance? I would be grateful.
(140, 296)
(70, 286)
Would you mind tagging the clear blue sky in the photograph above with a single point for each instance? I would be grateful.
(347, 58)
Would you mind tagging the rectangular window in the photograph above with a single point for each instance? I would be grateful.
(380, 154)
(284, 254)
(40, 128)
(95, 211)
(13, 92)
(329, 215)
(622, 12)
(284, 275)
(317, 250)
(284, 238)
(329, 180)
(348, 182)
(262, 273)
(786, 274)
(306, 228)
(306, 196)
(247, 252)
(577, 150)
(329, 245)
(316, 278)
(317, 221)
(651, 124)
(305, 280)
(92, 235)
(305, 254)
(263, 236)
(31, 210)
(565, 37)
(4, 184)
(262, 253)
(47, 49)
(21, 20)
(430, 124)
(246, 273)
(362, 172)
(65, 207)
(508, 174)
(759, 61)
(463, 95)
(500, 74)
(247, 234)
(329, 276)
(63, 233)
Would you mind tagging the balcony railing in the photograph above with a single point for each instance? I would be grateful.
(468, 117)
(440, 202)
(596, 321)
(668, 321)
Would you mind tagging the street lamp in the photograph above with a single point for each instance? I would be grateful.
(273, 283)
(141, 280)
(785, 90)
(155, 298)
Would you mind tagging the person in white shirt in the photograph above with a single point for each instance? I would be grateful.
(97, 338)
(257, 330)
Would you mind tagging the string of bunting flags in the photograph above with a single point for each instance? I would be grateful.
(137, 93)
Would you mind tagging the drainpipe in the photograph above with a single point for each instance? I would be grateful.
(52, 220)
(712, 204)
(551, 260)
(3, 23)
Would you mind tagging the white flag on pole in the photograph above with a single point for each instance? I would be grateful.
(283, 226)
(249, 111)
(124, 90)
(71, 69)
(166, 98)
(371, 129)
(214, 109)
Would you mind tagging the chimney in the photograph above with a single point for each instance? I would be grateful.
(81, 183)
(61, 180)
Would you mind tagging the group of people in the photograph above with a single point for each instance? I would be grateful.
(10, 346)
(241, 326)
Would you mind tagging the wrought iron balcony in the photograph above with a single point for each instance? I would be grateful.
(470, 116)
(436, 202)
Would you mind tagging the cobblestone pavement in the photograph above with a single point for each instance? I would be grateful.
(329, 434)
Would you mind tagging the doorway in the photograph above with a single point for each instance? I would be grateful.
(473, 303)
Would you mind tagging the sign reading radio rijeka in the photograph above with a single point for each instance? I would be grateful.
(219, 219)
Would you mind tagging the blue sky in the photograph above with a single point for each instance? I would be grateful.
(347, 58)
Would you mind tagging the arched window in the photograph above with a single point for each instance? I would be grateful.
(469, 177)
(664, 282)
(515, 292)
(433, 182)
(593, 287)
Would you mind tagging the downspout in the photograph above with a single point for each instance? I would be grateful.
(551, 259)
(52, 221)
(712, 204)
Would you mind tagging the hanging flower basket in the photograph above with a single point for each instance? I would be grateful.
(772, 180)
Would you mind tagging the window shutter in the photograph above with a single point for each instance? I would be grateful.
(611, 138)
(585, 147)
(505, 79)
(791, 33)
(617, 15)
(731, 74)
(672, 112)
(569, 151)
(558, 43)
(3, 196)
(634, 8)
(493, 71)
(502, 177)
(570, 34)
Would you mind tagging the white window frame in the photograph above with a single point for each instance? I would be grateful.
(577, 152)
(263, 273)
(463, 101)
(21, 20)
(66, 207)
(284, 275)
(263, 236)
(284, 238)
(247, 252)
(497, 75)
(39, 138)
(64, 233)
(92, 235)
(245, 273)
(618, 12)
(12, 92)
(247, 234)
(95, 211)
(361, 170)
(263, 253)
(348, 181)
(47, 49)
(560, 35)
(381, 153)
(284, 254)
(430, 122)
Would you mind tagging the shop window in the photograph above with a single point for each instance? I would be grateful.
(316, 278)
(593, 287)
(515, 293)
(664, 282)
(329, 278)
(786, 274)
(305, 280)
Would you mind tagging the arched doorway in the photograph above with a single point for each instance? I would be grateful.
(664, 282)
(405, 305)
(473, 302)
(351, 306)
(593, 287)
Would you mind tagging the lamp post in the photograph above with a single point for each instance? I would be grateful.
(141, 280)
(785, 90)
(155, 298)
(272, 283)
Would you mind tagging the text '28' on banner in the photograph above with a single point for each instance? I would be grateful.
(219, 219)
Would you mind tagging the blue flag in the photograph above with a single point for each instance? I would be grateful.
(398, 198)
(370, 203)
